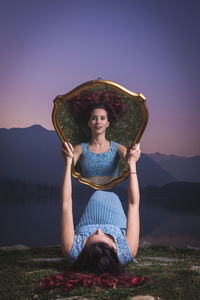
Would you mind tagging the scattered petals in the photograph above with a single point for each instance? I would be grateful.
(70, 280)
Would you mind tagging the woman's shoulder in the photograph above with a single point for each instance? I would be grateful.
(114, 144)
(83, 147)
(124, 252)
(76, 248)
(77, 148)
(122, 151)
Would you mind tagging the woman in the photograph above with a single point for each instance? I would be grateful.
(99, 157)
(98, 109)
(97, 251)
(100, 247)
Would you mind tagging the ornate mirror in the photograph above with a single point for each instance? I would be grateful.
(129, 116)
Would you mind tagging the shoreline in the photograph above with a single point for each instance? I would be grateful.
(146, 243)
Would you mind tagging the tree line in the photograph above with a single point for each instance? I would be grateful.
(14, 189)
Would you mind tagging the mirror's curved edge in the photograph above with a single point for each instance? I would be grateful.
(143, 125)
(91, 83)
(109, 185)
(57, 101)
(60, 98)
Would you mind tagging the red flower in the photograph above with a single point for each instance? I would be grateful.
(68, 287)
(87, 98)
(88, 282)
(69, 280)
(111, 282)
(108, 280)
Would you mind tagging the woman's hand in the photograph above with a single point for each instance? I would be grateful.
(133, 154)
(67, 152)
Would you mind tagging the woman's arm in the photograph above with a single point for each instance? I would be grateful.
(77, 153)
(122, 152)
(133, 217)
(67, 224)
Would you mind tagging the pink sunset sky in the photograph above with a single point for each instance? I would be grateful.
(148, 46)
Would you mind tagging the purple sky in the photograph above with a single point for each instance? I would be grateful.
(148, 46)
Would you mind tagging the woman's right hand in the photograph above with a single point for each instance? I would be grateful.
(133, 154)
(67, 152)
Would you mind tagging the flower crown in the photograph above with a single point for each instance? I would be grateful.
(83, 103)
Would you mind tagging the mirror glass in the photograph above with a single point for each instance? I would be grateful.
(128, 116)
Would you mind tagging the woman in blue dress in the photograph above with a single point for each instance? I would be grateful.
(104, 239)
(99, 157)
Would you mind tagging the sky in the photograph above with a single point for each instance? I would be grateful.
(49, 47)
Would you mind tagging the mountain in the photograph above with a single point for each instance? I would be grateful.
(33, 154)
(182, 168)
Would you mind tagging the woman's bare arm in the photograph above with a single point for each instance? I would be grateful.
(77, 153)
(67, 224)
(122, 152)
(133, 217)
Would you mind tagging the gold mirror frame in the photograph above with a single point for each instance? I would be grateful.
(63, 120)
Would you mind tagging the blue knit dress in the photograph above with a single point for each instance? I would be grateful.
(99, 164)
(104, 210)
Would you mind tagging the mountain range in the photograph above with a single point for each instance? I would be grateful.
(33, 154)
(182, 168)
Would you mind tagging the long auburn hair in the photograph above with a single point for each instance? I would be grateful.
(96, 265)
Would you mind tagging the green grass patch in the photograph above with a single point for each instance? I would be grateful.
(20, 275)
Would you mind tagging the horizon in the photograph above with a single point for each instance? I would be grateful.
(49, 48)
(148, 153)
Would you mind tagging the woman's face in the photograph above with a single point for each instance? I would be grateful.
(98, 120)
(100, 237)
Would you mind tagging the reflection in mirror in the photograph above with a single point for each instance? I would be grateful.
(101, 120)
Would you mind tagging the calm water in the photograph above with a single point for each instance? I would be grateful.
(37, 223)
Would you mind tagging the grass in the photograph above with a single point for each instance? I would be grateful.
(20, 275)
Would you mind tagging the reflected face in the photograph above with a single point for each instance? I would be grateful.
(100, 237)
(98, 120)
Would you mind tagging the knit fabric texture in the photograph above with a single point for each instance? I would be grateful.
(104, 210)
(99, 164)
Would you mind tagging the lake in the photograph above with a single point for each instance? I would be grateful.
(37, 223)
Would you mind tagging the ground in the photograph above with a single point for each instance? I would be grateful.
(173, 274)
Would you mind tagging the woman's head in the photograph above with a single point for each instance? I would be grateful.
(98, 258)
(98, 119)
(100, 237)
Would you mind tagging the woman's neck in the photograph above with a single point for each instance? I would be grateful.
(99, 141)
(99, 144)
